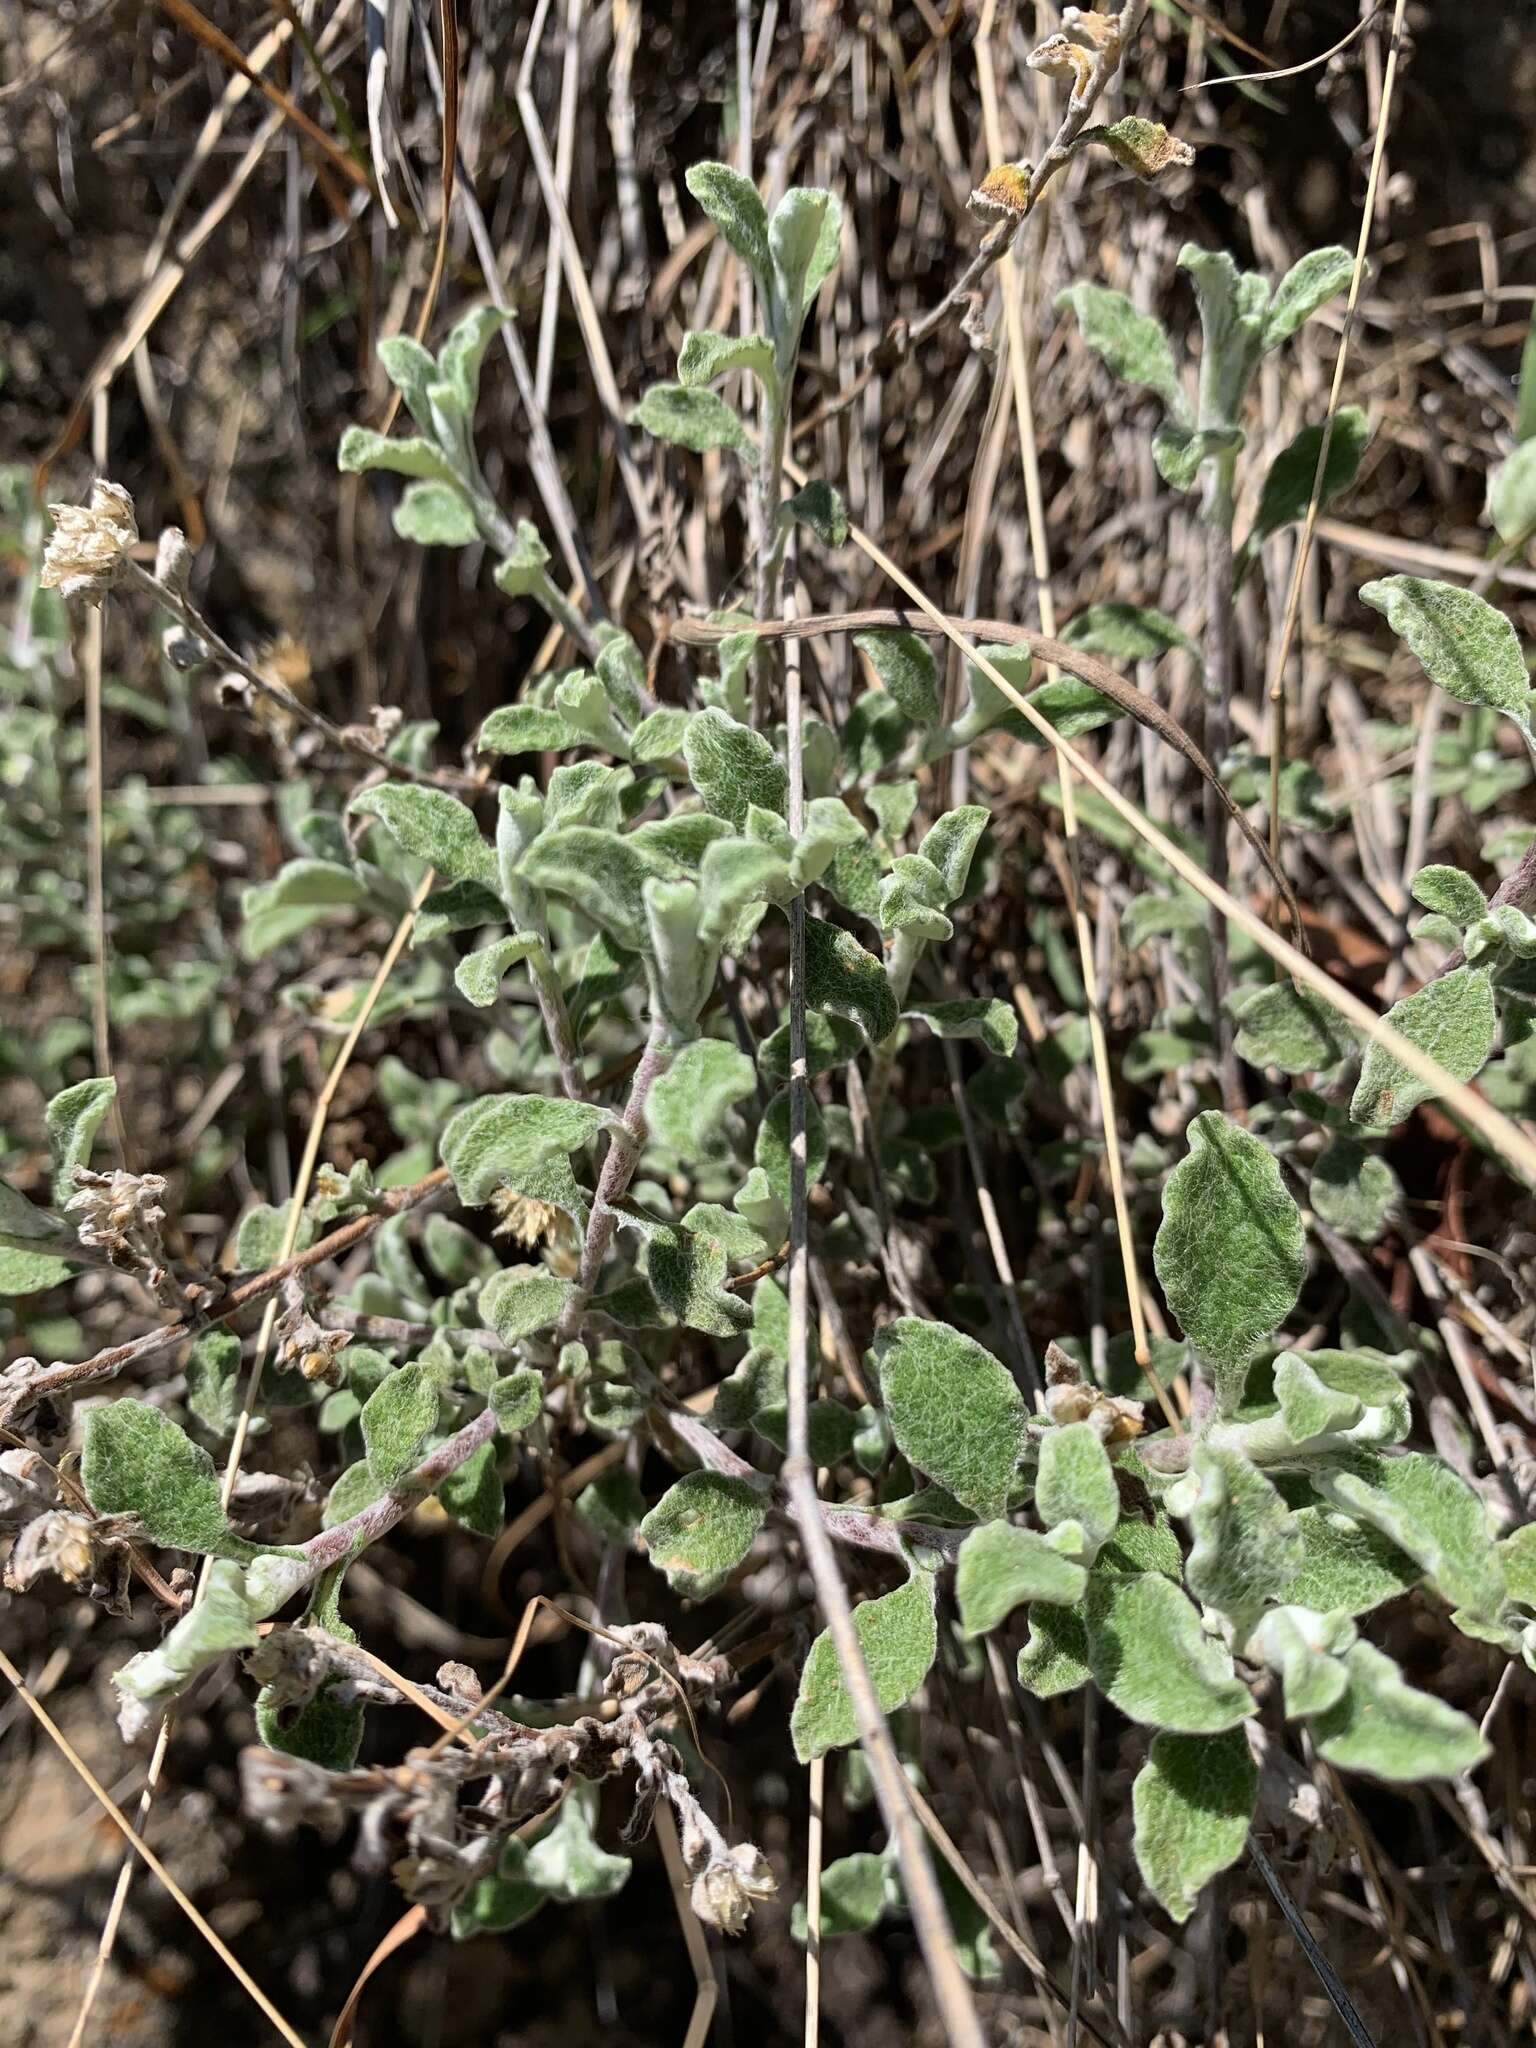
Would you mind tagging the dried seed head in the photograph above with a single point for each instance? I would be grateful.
(523, 1218)
(725, 1891)
(119, 1212)
(1112, 1418)
(173, 561)
(1003, 194)
(1058, 57)
(1091, 27)
(90, 543)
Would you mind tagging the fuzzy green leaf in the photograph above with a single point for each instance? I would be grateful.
(516, 1399)
(1126, 632)
(1451, 892)
(732, 767)
(1231, 1252)
(1193, 1800)
(1354, 1191)
(362, 449)
(478, 976)
(513, 1141)
(771, 1151)
(988, 1018)
(705, 355)
(137, 1461)
(432, 826)
(213, 1381)
(522, 1299)
(436, 515)
(1075, 1485)
(1429, 1511)
(1384, 1726)
(690, 1104)
(659, 737)
(1132, 344)
(852, 1897)
(1055, 1659)
(602, 873)
(687, 1270)
(844, 979)
(72, 1120)
(905, 665)
(1345, 1567)
(524, 570)
(1306, 286)
(802, 239)
(1246, 1546)
(1001, 1566)
(954, 1411)
(951, 844)
(1453, 1020)
(474, 1495)
(1306, 1648)
(1512, 496)
(698, 420)
(732, 203)
(1152, 1659)
(1181, 452)
(702, 1528)
(398, 1417)
(569, 1863)
(301, 893)
(819, 505)
(1288, 487)
(899, 1636)
(1460, 641)
(223, 1619)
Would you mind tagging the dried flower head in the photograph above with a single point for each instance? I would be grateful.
(1099, 31)
(726, 1890)
(118, 1213)
(307, 1347)
(89, 1553)
(90, 543)
(1059, 57)
(523, 1218)
(1003, 194)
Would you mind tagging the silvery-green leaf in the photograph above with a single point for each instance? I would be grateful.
(1246, 1547)
(702, 1528)
(820, 506)
(1055, 1658)
(301, 893)
(602, 873)
(1280, 1025)
(410, 369)
(1354, 1191)
(909, 899)
(1429, 1511)
(854, 879)
(687, 1271)
(1144, 148)
(841, 977)
(1307, 1649)
(621, 670)
(659, 737)
(523, 571)
(586, 793)
(1234, 305)
(772, 1148)
(362, 449)
(1001, 1566)
(431, 826)
(72, 1119)
(987, 708)
(690, 1104)
(1512, 496)
(1132, 344)
(1384, 1726)
(684, 964)
(954, 1411)
(951, 843)
(705, 355)
(224, 1618)
(522, 1299)
(1346, 1567)
(1179, 452)
(1231, 1251)
(460, 358)
(612, 1505)
(457, 907)
(1070, 706)
(516, 1399)
(584, 704)
(454, 1254)
(474, 1495)
(213, 1381)
(1450, 891)
(1075, 1483)
(1460, 641)
(137, 1461)
(894, 805)
(732, 767)
(398, 1417)
(435, 514)
(569, 1863)
(1126, 632)
(829, 1042)
(1453, 1020)
(734, 874)
(1193, 1800)
(852, 1897)
(1288, 487)
(355, 1490)
(797, 241)
(1152, 1659)
(988, 1018)
(829, 828)
(899, 1637)
(259, 1240)
(509, 1141)
(732, 203)
(478, 976)
(1306, 286)
(698, 420)
(1309, 1406)
(905, 665)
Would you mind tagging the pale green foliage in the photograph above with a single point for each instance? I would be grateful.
(1461, 642)
(1002, 1566)
(906, 668)
(1347, 1568)
(898, 1634)
(523, 1299)
(1452, 1020)
(1512, 495)
(435, 515)
(568, 1863)
(732, 203)
(690, 1106)
(516, 1399)
(1193, 1800)
(705, 356)
(433, 827)
(819, 505)
(520, 1143)
(1288, 487)
(845, 980)
(1391, 1729)
(223, 1619)
(1246, 1548)
(300, 894)
(702, 1528)
(1075, 1491)
(1280, 1025)
(1055, 1658)
(694, 419)
(1132, 344)
(1230, 1252)
(72, 1120)
(987, 1018)
(478, 976)
(954, 1411)
(1354, 1191)
(853, 1896)
(1150, 1656)
(1430, 1512)
(137, 1461)
(398, 1417)
(1326, 1392)
(733, 767)
(1308, 285)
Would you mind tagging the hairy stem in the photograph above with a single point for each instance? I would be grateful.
(1217, 512)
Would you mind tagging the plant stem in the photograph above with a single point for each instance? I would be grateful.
(770, 536)
(624, 1148)
(557, 1021)
(1216, 512)
(346, 1539)
(906, 951)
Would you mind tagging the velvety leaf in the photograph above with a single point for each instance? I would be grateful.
(478, 976)
(435, 514)
(213, 1381)
(522, 1299)
(398, 1417)
(72, 1119)
(458, 907)
(705, 355)
(988, 1018)
(1454, 894)
(829, 1042)
(1385, 1726)
(699, 420)
(1193, 1800)
(1453, 1020)
(905, 665)
(852, 1897)
(1354, 1191)
(1307, 1649)
(1132, 344)
(687, 1271)
(1306, 286)
(1180, 453)
(660, 736)
(1429, 1511)
(1345, 1567)
(732, 203)
(841, 977)
(300, 894)
(702, 1528)
(1460, 641)
(602, 873)
(819, 505)
(460, 358)
(1288, 487)
(516, 1399)
(474, 1495)
(137, 1461)
(899, 1636)
(954, 1411)
(1001, 1566)
(690, 1104)
(1126, 632)
(732, 767)
(802, 240)
(524, 570)
(1075, 1485)
(506, 1141)
(771, 1151)
(952, 842)
(361, 449)
(1230, 1252)
(1512, 496)
(569, 1863)
(1152, 1659)
(432, 826)
(1055, 1659)
(223, 1619)
(1145, 148)
(735, 875)
(1246, 1547)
